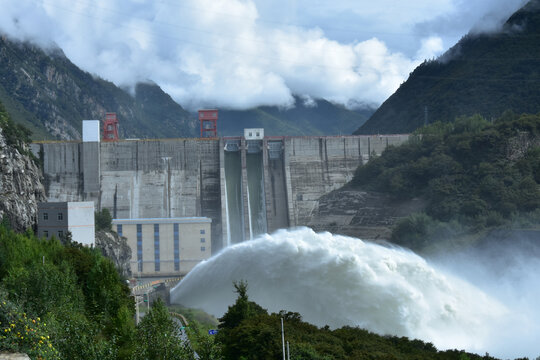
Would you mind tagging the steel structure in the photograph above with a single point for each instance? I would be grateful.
(208, 120)
(110, 127)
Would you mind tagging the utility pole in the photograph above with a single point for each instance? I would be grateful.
(288, 352)
(283, 338)
(136, 309)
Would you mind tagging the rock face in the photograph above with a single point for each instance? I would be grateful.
(21, 187)
(14, 356)
(115, 248)
(48, 94)
(362, 214)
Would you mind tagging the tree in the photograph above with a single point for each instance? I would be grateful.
(242, 308)
(103, 220)
(159, 337)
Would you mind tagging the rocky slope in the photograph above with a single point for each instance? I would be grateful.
(21, 186)
(366, 215)
(48, 94)
(115, 248)
(484, 74)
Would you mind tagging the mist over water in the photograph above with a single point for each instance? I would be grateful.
(336, 280)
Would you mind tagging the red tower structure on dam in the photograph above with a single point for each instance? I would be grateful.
(208, 120)
(110, 127)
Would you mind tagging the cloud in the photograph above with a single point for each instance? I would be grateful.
(431, 48)
(476, 16)
(243, 53)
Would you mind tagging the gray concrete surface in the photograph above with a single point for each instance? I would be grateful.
(185, 177)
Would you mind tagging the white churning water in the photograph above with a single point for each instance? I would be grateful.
(336, 280)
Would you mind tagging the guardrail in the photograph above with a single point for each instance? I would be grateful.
(155, 282)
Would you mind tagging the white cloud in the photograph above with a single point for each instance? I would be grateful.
(244, 53)
(431, 48)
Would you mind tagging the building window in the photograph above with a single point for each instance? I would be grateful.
(45, 216)
(46, 233)
(156, 247)
(60, 216)
(139, 248)
(203, 248)
(119, 229)
(202, 231)
(60, 234)
(176, 248)
(203, 240)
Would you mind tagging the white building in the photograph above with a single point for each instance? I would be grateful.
(90, 130)
(57, 218)
(166, 246)
(254, 134)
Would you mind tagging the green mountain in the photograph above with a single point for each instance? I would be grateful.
(48, 94)
(482, 74)
(319, 118)
(472, 174)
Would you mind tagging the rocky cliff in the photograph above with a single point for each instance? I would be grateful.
(115, 248)
(48, 94)
(366, 215)
(21, 185)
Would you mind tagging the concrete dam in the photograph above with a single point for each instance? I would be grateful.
(247, 187)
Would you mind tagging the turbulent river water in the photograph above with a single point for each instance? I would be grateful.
(336, 280)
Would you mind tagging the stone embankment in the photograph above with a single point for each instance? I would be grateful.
(21, 187)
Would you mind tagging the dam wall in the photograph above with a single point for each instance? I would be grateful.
(138, 178)
(319, 165)
(188, 177)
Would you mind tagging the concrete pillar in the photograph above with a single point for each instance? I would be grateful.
(91, 171)
(224, 210)
(243, 152)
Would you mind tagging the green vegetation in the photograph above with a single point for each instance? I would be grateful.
(68, 302)
(75, 295)
(248, 332)
(158, 337)
(474, 175)
(103, 220)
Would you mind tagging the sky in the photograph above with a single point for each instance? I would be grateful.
(240, 54)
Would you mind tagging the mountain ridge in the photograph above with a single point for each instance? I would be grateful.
(484, 74)
(44, 91)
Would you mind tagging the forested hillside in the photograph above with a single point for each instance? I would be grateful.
(482, 74)
(473, 175)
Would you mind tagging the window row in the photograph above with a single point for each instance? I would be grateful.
(59, 216)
